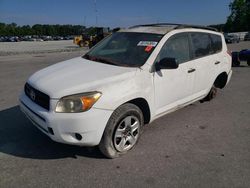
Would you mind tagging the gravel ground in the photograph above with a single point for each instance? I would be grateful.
(25, 47)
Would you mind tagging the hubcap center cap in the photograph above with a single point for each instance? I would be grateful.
(127, 131)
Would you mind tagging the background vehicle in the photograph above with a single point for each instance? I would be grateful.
(243, 55)
(11, 39)
(2, 39)
(231, 38)
(247, 37)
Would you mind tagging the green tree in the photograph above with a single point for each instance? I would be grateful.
(38, 29)
(239, 19)
(2, 29)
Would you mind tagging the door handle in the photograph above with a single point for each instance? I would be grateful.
(217, 63)
(191, 70)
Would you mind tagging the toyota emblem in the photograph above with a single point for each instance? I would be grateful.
(32, 95)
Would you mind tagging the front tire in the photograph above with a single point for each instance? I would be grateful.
(248, 62)
(122, 131)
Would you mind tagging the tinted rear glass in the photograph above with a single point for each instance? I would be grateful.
(201, 44)
(216, 43)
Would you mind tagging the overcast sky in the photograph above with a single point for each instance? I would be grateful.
(113, 13)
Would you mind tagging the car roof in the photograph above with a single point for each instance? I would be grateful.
(163, 28)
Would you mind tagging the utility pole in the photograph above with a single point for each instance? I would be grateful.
(84, 21)
(96, 12)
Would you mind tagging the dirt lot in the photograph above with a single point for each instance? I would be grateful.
(202, 145)
(24, 47)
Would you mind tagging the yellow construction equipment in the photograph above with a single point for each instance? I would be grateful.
(84, 40)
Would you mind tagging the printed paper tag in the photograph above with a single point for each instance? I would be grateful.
(147, 43)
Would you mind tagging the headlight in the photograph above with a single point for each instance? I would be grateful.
(77, 103)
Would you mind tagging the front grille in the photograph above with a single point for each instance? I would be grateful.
(37, 97)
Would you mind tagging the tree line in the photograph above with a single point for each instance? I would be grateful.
(38, 29)
(239, 19)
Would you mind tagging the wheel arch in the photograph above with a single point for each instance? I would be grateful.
(144, 107)
(221, 80)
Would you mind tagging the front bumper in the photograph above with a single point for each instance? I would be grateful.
(62, 127)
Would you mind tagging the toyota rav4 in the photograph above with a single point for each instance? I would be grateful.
(129, 79)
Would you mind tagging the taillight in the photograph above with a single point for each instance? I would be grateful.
(229, 53)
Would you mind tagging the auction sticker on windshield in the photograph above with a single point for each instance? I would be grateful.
(148, 48)
(147, 43)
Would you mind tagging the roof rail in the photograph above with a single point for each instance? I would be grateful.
(175, 26)
(156, 25)
(196, 27)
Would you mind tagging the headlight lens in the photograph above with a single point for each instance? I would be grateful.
(77, 103)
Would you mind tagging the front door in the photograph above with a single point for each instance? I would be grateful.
(173, 87)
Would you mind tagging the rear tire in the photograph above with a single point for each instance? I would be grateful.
(248, 62)
(211, 95)
(122, 131)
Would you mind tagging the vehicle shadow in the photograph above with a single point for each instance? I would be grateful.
(245, 66)
(241, 66)
(18, 137)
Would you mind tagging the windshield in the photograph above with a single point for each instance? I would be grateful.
(124, 49)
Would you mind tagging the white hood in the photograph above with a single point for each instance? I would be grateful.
(78, 75)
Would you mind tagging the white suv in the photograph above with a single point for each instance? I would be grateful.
(127, 80)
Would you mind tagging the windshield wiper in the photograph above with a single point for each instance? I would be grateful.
(86, 56)
(100, 59)
(105, 60)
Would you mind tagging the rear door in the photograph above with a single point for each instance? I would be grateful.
(204, 62)
(218, 56)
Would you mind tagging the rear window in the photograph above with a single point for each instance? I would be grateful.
(201, 44)
(216, 43)
(205, 44)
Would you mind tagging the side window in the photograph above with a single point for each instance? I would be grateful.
(216, 43)
(176, 47)
(201, 44)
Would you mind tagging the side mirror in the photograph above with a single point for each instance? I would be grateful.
(167, 63)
